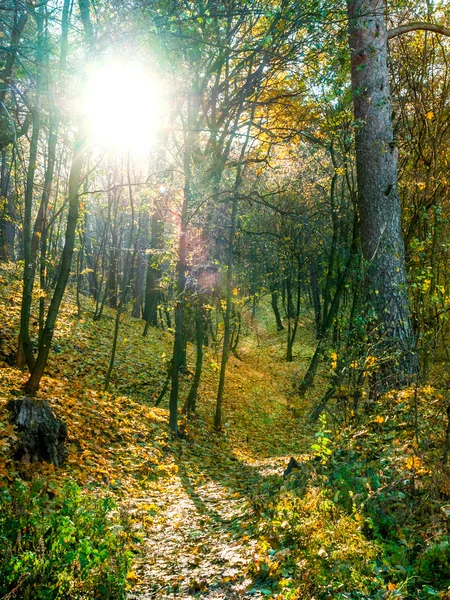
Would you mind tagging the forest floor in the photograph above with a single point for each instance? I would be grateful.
(211, 515)
(191, 500)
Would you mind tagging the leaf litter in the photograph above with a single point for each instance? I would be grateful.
(190, 500)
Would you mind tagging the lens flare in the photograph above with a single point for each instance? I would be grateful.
(122, 106)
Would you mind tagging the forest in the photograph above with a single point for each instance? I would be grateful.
(224, 282)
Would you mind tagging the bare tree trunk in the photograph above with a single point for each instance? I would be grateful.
(33, 382)
(293, 330)
(127, 277)
(229, 299)
(315, 296)
(7, 217)
(274, 302)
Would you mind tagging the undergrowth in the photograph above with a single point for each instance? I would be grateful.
(366, 516)
(61, 543)
(371, 518)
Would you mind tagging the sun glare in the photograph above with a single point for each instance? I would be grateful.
(122, 105)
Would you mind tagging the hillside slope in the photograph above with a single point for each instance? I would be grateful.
(210, 515)
(190, 497)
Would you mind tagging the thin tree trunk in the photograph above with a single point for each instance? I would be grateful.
(127, 277)
(152, 293)
(332, 312)
(293, 332)
(177, 354)
(7, 220)
(25, 350)
(335, 224)
(229, 299)
(274, 294)
(315, 297)
(190, 403)
(33, 382)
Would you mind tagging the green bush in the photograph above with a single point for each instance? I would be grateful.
(61, 545)
(434, 564)
(311, 547)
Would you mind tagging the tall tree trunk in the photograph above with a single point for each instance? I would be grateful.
(229, 299)
(7, 220)
(32, 385)
(140, 265)
(38, 237)
(334, 239)
(126, 280)
(8, 134)
(177, 354)
(25, 350)
(293, 330)
(378, 200)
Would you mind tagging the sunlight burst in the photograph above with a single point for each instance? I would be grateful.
(122, 105)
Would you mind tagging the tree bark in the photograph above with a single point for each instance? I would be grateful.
(378, 200)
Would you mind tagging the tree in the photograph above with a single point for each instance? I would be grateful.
(378, 199)
(32, 385)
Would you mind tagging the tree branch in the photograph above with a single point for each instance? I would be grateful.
(418, 26)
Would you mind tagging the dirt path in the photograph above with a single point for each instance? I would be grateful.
(202, 541)
(201, 537)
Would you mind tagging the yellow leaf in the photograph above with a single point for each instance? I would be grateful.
(334, 357)
(429, 115)
(391, 586)
(413, 463)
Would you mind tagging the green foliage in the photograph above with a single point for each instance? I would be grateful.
(434, 563)
(365, 520)
(61, 544)
(315, 549)
(321, 447)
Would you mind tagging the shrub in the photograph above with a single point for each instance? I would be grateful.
(434, 564)
(61, 545)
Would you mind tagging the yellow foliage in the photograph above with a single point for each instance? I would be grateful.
(413, 463)
(334, 359)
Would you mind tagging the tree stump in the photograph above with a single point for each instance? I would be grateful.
(41, 434)
(293, 465)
